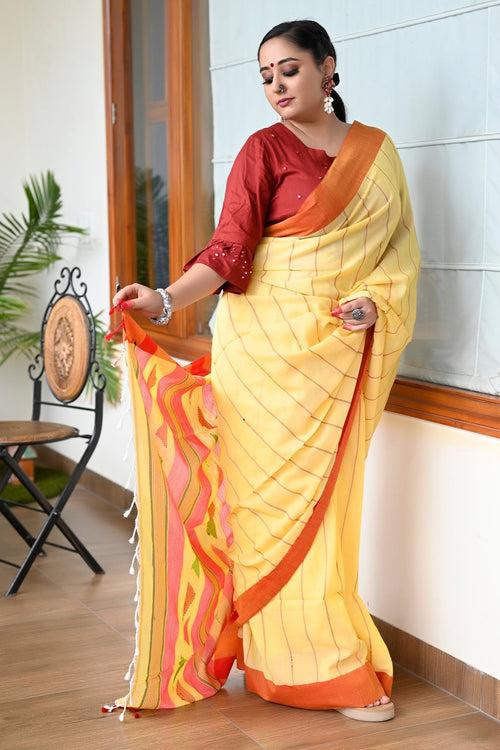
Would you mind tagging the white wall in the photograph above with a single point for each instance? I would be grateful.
(429, 547)
(13, 160)
(52, 85)
(429, 550)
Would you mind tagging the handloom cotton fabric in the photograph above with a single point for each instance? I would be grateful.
(250, 460)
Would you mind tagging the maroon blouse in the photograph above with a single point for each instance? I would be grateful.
(270, 178)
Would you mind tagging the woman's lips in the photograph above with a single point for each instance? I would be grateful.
(285, 102)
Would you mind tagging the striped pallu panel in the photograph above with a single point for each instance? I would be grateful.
(185, 583)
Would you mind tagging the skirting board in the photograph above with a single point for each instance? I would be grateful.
(479, 689)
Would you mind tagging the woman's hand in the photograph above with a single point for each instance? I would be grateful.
(139, 297)
(345, 313)
(196, 283)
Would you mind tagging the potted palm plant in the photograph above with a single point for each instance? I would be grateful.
(28, 245)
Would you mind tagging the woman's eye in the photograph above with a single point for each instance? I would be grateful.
(286, 73)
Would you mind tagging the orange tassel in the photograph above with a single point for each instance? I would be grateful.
(110, 334)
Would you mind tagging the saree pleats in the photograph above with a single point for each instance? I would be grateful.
(250, 462)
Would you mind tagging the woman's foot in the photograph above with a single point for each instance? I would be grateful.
(380, 710)
(380, 701)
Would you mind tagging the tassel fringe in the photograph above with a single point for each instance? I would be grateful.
(108, 708)
(127, 418)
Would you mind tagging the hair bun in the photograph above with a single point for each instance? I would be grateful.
(336, 79)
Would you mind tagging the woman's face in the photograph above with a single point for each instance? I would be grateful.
(282, 63)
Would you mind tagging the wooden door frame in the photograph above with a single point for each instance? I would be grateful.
(190, 178)
(191, 200)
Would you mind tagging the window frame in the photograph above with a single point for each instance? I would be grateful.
(189, 145)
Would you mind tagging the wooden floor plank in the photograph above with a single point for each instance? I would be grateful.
(473, 731)
(71, 721)
(66, 640)
(278, 728)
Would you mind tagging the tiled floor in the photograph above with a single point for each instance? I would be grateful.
(66, 641)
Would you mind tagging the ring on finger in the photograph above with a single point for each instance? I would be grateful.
(358, 313)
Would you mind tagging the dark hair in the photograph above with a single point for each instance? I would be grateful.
(311, 36)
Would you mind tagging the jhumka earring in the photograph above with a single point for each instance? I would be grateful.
(327, 87)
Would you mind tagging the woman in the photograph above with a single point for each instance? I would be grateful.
(250, 462)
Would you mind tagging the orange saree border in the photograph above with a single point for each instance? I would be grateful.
(339, 185)
(133, 332)
(258, 595)
(359, 687)
(356, 687)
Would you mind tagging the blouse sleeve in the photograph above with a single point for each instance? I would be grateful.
(249, 189)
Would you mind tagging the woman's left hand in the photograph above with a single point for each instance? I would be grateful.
(345, 313)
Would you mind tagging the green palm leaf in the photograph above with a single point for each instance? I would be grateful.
(28, 245)
(17, 340)
(11, 307)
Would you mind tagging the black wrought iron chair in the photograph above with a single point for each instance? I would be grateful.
(68, 358)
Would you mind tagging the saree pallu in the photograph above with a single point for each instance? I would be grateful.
(250, 460)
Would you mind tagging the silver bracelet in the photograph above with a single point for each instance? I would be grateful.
(164, 318)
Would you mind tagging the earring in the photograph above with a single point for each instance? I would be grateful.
(327, 87)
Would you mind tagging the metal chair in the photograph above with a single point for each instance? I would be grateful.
(68, 358)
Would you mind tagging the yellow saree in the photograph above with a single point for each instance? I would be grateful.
(250, 461)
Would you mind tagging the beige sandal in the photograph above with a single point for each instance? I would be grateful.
(381, 712)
